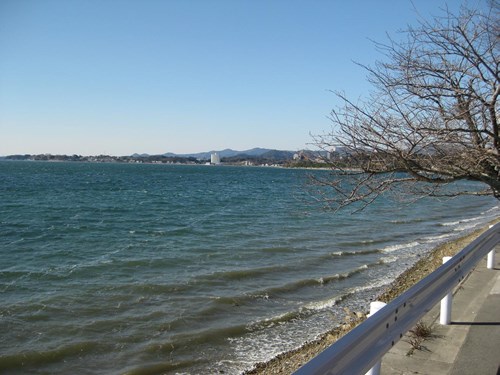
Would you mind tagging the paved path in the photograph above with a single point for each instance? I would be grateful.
(470, 345)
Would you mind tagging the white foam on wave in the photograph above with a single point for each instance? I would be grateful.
(468, 220)
(450, 223)
(373, 285)
(270, 322)
(465, 227)
(454, 223)
(392, 248)
(437, 238)
(490, 210)
(263, 345)
(322, 305)
(389, 259)
(471, 219)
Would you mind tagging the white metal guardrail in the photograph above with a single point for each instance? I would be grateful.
(361, 348)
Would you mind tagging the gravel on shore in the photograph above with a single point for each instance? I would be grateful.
(289, 362)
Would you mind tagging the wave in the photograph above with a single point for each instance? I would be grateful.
(276, 292)
(374, 285)
(465, 227)
(14, 274)
(110, 261)
(300, 313)
(164, 367)
(39, 358)
(388, 259)
(294, 286)
(392, 248)
(406, 221)
(21, 279)
(197, 337)
(221, 306)
(154, 289)
(471, 219)
(15, 241)
(278, 249)
(325, 304)
(457, 222)
(361, 242)
(252, 273)
(490, 210)
(203, 336)
(341, 276)
(235, 275)
(437, 237)
(449, 224)
(353, 253)
(283, 318)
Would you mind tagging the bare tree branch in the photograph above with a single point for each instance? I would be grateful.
(431, 120)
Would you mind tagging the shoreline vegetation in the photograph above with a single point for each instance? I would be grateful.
(289, 362)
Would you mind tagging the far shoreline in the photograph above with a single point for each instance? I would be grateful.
(289, 362)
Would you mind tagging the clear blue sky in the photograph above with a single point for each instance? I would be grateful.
(118, 77)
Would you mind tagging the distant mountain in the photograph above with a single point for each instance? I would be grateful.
(277, 155)
(139, 155)
(227, 153)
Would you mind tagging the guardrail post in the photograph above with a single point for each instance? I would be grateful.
(490, 262)
(445, 315)
(374, 307)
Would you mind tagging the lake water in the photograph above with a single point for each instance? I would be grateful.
(157, 269)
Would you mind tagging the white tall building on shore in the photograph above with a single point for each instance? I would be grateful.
(214, 158)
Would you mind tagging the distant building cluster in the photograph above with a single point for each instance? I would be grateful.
(313, 157)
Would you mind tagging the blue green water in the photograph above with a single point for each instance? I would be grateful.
(155, 269)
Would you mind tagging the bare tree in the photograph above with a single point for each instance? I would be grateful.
(431, 120)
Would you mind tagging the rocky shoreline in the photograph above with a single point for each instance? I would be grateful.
(287, 363)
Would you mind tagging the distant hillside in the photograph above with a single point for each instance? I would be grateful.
(277, 155)
(227, 153)
(260, 153)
